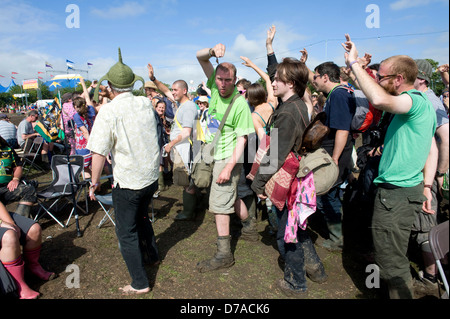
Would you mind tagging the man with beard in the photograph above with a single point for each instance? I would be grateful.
(400, 194)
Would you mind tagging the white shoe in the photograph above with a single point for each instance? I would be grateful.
(156, 194)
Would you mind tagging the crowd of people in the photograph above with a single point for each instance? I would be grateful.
(401, 163)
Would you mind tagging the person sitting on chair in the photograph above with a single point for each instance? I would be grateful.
(11, 189)
(25, 130)
(16, 231)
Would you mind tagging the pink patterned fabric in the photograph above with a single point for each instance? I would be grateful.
(302, 203)
(277, 188)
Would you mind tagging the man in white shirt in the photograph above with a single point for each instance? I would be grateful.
(126, 128)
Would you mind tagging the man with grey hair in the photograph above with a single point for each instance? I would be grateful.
(126, 128)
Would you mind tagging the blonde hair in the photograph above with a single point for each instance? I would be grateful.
(404, 65)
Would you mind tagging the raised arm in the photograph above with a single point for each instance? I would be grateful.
(205, 54)
(85, 92)
(270, 95)
(161, 86)
(443, 70)
(376, 94)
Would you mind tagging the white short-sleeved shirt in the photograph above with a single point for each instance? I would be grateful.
(126, 127)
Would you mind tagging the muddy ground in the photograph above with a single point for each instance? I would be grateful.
(181, 245)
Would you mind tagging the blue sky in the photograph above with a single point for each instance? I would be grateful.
(168, 33)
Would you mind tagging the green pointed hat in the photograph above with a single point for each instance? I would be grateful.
(120, 76)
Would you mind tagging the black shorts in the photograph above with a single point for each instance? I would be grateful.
(23, 223)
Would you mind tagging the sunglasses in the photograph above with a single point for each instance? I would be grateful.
(381, 77)
(316, 76)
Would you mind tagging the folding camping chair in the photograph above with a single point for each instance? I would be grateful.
(439, 243)
(105, 200)
(31, 151)
(61, 186)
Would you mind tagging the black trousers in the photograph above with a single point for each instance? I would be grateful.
(134, 227)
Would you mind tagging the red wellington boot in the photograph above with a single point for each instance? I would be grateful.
(17, 270)
(32, 264)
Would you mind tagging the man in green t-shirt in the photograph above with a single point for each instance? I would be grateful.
(227, 153)
(403, 165)
(11, 190)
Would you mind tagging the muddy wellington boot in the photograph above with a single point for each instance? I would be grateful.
(336, 241)
(23, 210)
(249, 231)
(161, 183)
(189, 205)
(222, 259)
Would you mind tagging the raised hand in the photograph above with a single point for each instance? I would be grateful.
(304, 57)
(351, 53)
(247, 62)
(271, 35)
(151, 72)
(219, 50)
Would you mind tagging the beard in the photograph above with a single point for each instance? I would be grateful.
(389, 88)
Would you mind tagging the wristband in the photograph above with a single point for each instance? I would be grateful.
(153, 79)
(16, 178)
(427, 186)
(351, 63)
(210, 52)
(94, 185)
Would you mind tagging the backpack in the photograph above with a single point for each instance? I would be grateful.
(363, 117)
(364, 111)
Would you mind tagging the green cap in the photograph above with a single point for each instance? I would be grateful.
(120, 76)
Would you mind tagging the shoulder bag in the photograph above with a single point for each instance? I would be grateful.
(204, 161)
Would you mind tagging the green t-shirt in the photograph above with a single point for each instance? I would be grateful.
(407, 143)
(238, 123)
(8, 160)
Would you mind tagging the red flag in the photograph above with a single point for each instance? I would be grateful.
(14, 73)
(40, 77)
(1, 76)
(40, 72)
(13, 78)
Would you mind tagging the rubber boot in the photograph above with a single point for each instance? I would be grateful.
(24, 210)
(222, 259)
(313, 265)
(189, 205)
(31, 258)
(161, 183)
(249, 231)
(336, 241)
(17, 271)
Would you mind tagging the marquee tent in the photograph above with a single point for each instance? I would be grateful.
(6, 89)
(63, 81)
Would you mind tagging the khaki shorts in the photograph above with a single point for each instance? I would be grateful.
(223, 196)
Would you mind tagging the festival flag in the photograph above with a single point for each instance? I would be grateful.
(1, 76)
(89, 65)
(13, 78)
(39, 77)
(14, 73)
(68, 61)
(70, 67)
(48, 65)
(40, 72)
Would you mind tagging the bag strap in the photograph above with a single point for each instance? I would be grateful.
(222, 122)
